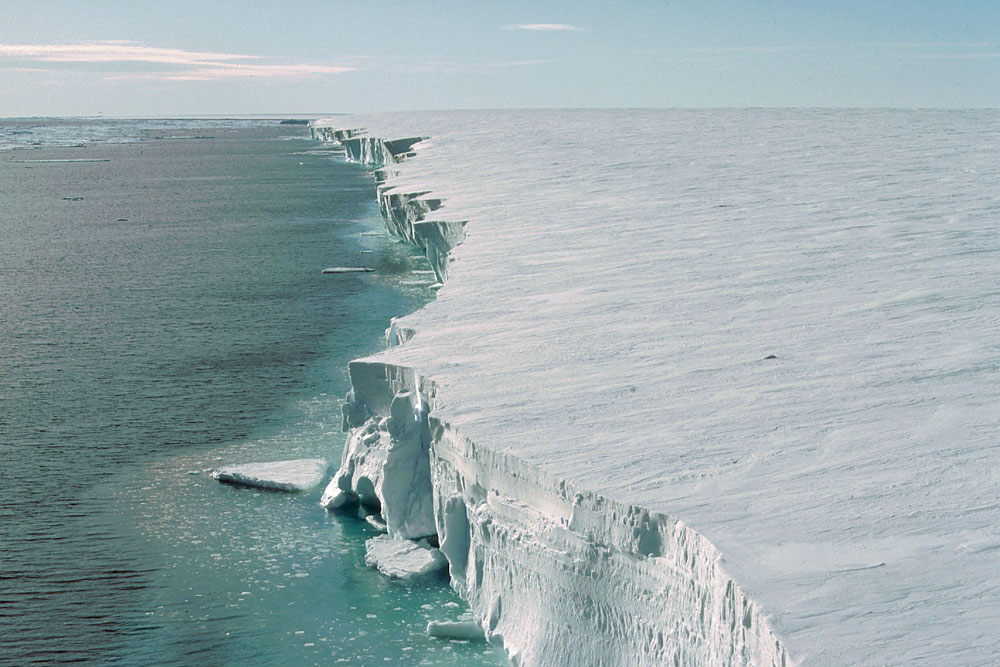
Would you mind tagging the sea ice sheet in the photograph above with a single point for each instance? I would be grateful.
(296, 475)
(607, 323)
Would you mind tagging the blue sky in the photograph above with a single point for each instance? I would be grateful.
(207, 57)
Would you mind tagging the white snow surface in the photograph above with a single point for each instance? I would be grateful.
(296, 475)
(605, 327)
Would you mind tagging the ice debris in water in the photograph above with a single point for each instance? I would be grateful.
(455, 630)
(403, 559)
(295, 475)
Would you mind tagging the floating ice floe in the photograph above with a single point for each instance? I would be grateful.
(348, 269)
(403, 559)
(296, 475)
(454, 630)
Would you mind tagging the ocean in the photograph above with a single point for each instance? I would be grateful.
(163, 312)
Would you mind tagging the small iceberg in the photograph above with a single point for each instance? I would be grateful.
(348, 269)
(403, 559)
(468, 630)
(297, 475)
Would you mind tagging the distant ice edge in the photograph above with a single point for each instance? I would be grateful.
(557, 574)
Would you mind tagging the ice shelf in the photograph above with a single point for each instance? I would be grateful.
(700, 387)
(297, 475)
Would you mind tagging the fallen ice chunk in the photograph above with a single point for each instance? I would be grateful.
(385, 462)
(377, 523)
(334, 497)
(297, 475)
(403, 559)
(455, 630)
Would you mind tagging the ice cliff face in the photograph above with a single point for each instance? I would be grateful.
(557, 575)
(562, 576)
(700, 387)
(405, 213)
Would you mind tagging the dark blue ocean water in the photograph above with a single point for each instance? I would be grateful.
(162, 311)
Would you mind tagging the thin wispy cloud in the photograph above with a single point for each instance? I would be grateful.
(410, 66)
(513, 63)
(115, 51)
(942, 50)
(953, 56)
(920, 50)
(932, 45)
(229, 71)
(545, 27)
(189, 65)
(774, 48)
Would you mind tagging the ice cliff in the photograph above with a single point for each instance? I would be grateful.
(700, 387)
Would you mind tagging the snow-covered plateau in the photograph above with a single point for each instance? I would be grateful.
(701, 387)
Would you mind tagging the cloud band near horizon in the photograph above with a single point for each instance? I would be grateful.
(192, 65)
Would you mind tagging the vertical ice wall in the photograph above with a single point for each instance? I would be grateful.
(557, 574)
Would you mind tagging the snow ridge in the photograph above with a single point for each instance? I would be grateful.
(558, 574)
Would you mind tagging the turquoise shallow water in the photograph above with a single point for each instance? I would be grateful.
(162, 311)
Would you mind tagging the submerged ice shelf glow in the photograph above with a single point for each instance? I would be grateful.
(704, 387)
